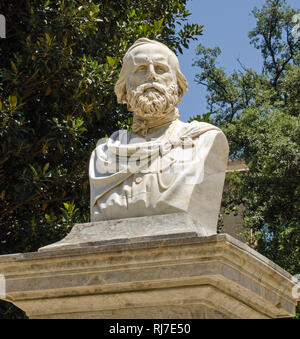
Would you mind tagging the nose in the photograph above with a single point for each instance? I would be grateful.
(151, 72)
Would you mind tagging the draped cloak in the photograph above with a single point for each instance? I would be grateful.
(181, 171)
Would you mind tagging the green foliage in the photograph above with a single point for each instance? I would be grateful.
(268, 140)
(206, 117)
(259, 113)
(58, 67)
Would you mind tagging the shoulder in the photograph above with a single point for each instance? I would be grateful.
(200, 125)
(120, 135)
(196, 128)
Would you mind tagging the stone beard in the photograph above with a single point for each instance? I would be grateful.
(152, 101)
(163, 165)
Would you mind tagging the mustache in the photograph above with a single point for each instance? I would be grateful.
(151, 85)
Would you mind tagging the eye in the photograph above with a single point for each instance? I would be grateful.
(159, 69)
(141, 68)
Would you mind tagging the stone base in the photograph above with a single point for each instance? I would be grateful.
(182, 276)
(130, 230)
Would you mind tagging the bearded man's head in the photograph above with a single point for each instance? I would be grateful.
(152, 99)
(150, 82)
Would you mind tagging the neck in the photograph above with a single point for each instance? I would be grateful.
(142, 125)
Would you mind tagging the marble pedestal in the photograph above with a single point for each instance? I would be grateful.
(161, 275)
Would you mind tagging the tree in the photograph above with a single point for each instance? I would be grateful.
(259, 113)
(58, 67)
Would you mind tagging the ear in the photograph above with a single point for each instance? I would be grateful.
(182, 85)
(124, 94)
(121, 92)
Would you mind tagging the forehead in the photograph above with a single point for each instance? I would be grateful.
(151, 52)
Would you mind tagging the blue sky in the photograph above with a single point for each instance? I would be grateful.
(226, 24)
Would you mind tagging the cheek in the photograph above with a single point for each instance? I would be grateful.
(134, 80)
(167, 78)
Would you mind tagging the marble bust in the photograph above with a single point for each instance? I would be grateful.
(162, 165)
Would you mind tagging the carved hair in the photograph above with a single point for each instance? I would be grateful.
(120, 86)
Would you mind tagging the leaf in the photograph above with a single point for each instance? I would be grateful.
(0, 105)
(89, 107)
(33, 170)
(157, 24)
(48, 38)
(44, 206)
(13, 66)
(44, 149)
(85, 184)
(13, 100)
(45, 168)
(47, 217)
(48, 91)
(3, 194)
(111, 61)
